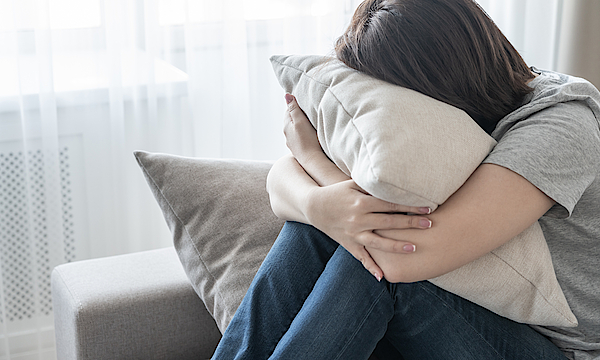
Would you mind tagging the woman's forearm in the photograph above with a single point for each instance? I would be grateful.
(288, 186)
(491, 208)
(322, 170)
(302, 140)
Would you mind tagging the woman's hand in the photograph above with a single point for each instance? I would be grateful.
(301, 139)
(351, 217)
(300, 135)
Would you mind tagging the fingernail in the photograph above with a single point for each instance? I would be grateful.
(377, 276)
(425, 223)
(425, 210)
(289, 98)
(409, 248)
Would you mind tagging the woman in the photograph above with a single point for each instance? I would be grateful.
(312, 298)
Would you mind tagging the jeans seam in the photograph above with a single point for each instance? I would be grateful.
(312, 232)
(360, 325)
(291, 319)
(463, 318)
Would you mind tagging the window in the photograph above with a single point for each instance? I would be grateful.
(59, 14)
(173, 12)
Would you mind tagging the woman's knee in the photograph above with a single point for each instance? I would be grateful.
(424, 312)
(352, 275)
(306, 240)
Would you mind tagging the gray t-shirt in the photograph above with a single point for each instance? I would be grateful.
(553, 141)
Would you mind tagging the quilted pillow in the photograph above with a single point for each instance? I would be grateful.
(373, 131)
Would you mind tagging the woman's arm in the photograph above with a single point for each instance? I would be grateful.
(288, 186)
(301, 138)
(291, 187)
(288, 182)
(492, 207)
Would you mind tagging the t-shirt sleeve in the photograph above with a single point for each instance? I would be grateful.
(556, 149)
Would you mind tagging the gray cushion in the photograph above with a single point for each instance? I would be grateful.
(221, 220)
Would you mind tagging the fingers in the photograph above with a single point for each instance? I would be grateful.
(371, 213)
(377, 205)
(293, 107)
(373, 204)
(291, 101)
(407, 209)
(375, 241)
(362, 255)
(396, 221)
(295, 117)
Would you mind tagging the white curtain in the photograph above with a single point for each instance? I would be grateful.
(559, 35)
(578, 40)
(531, 25)
(84, 83)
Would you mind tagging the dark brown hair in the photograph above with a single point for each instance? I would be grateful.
(447, 49)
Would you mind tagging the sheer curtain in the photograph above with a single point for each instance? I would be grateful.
(532, 26)
(579, 48)
(559, 35)
(84, 83)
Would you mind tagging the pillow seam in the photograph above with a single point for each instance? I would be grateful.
(330, 90)
(306, 74)
(216, 291)
(189, 238)
(369, 155)
(536, 288)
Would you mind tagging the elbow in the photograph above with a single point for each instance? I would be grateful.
(276, 207)
(408, 268)
(273, 200)
(415, 270)
(396, 273)
(394, 276)
(396, 267)
(280, 207)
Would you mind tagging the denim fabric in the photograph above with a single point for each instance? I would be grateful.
(312, 300)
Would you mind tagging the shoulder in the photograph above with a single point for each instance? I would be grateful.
(555, 96)
(553, 140)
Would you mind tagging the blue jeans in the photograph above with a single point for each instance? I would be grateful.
(311, 299)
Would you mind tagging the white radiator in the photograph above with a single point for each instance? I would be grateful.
(39, 229)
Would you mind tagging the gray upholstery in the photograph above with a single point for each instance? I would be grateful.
(135, 306)
(221, 220)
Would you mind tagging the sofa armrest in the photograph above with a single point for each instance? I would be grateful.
(135, 306)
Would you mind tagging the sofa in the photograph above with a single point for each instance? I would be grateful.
(175, 303)
(171, 303)
(134, 306)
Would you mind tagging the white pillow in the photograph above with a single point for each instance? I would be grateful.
(407, 148)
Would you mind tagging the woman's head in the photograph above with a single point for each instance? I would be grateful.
(447, 49)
